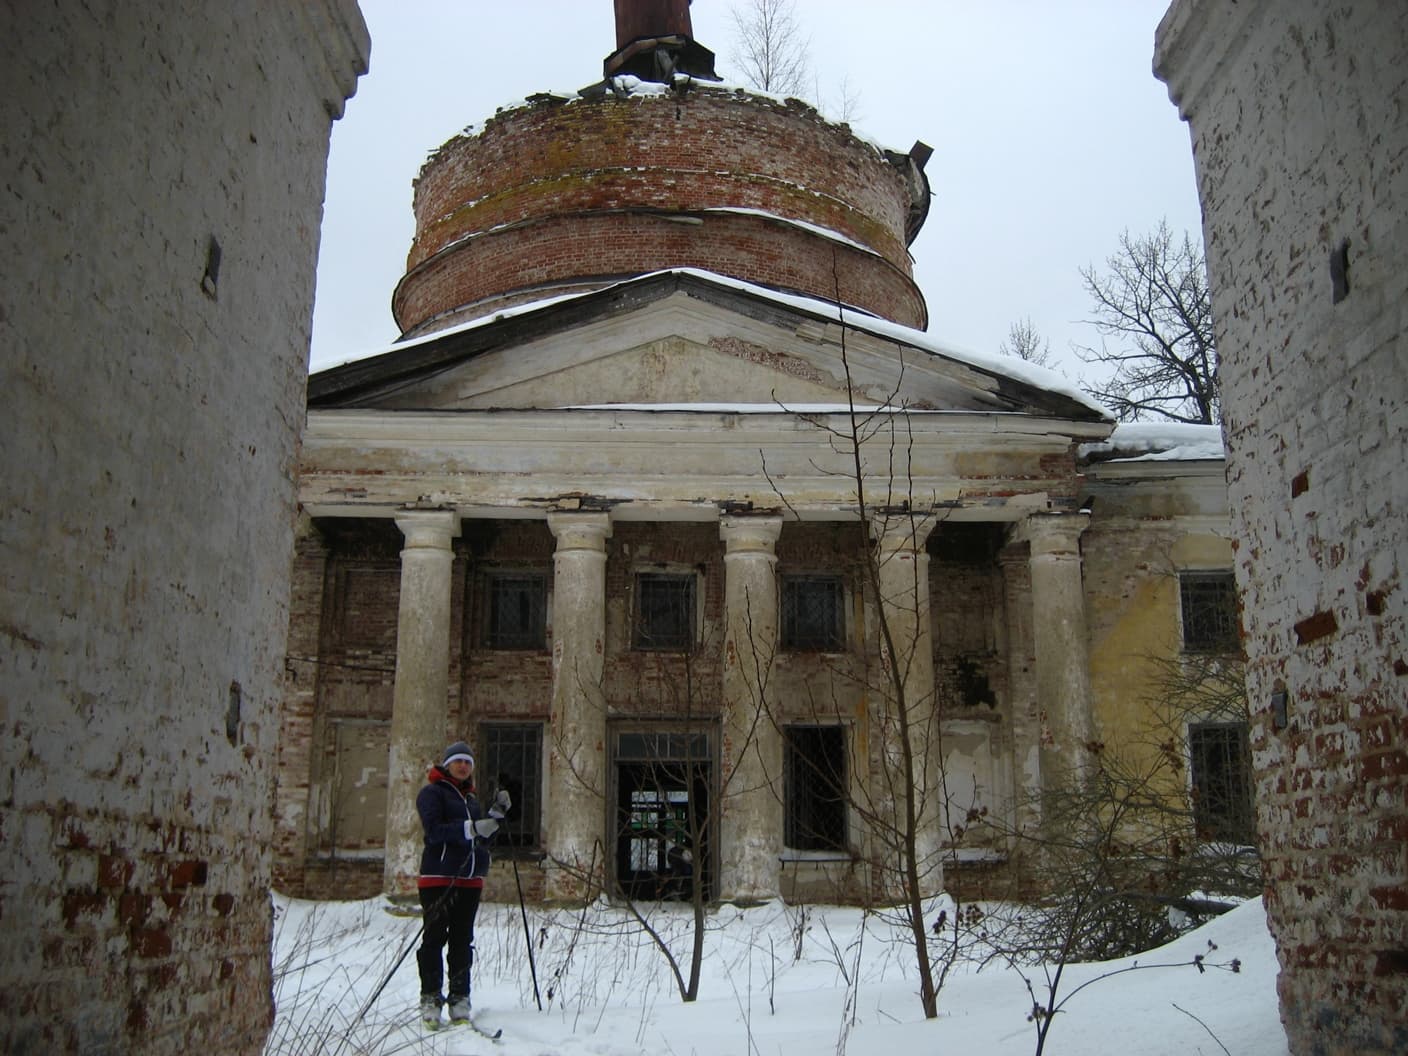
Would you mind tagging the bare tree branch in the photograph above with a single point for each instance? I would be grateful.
(1152, 301)
(770, 47)
(1025, 342)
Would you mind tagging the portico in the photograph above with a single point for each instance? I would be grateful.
(711, 528)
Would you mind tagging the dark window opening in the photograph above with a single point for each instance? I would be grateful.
(814, 788)
(1220, 767)
(663, 828)
(813, 614)
(1209, 602)
(511, 757)
(515, 615)
(664, 616)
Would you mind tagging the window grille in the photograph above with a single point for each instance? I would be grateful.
(814, 784)
(664, 615)
(1209, 603)
(511, 757)
(515, 610)
(813, 614)
(1219, 763)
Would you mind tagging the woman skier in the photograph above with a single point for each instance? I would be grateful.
(452, 870)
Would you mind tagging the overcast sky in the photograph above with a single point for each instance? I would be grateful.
(1050, 135)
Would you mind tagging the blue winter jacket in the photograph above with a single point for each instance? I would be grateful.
(449, 859)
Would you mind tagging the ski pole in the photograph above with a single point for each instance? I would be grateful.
(527, 936)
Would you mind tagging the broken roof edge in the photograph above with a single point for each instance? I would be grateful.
(435, 351)
(627, 86)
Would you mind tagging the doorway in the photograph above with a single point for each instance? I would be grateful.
(663, 823)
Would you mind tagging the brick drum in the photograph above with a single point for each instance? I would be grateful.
(1301, 140)
(564, 195)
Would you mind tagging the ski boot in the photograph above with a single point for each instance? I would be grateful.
(459, 1008)
(430, 1011)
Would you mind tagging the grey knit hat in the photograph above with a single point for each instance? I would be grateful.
(458, 750)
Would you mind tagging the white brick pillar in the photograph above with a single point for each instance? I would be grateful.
(902, 565)
(750, 827)
(1059, 641)
(422, 684)
(576, 799)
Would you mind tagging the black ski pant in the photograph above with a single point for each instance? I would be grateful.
(449, 914)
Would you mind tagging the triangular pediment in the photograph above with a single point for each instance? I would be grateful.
(681, 339)
(668, 369)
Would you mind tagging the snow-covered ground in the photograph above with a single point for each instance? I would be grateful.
(774, 982)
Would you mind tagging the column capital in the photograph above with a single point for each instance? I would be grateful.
(574, 530)
(428, 529)
(743, 535)
(1053, 534)
(909, 532)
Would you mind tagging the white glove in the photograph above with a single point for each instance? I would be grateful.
(501, 804)
(484, 829)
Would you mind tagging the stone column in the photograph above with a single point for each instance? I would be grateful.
(750, 819)
(422, 683)
(903, 572)
(298, 718)
(577, 779)
(1015, 562)
(1059, 641)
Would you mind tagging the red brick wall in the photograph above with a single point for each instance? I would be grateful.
(586, 251)
(1301, 143)
(659, 684)
(708, 148)
(503, 684)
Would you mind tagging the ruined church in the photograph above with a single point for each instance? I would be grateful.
(663, 483)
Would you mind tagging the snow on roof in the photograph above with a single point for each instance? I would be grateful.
(816, 229)
(777, 407)
(1158, 442)
(859, 319)
(993, 362)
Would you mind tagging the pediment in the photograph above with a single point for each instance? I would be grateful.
(677, 338)
(669, 369)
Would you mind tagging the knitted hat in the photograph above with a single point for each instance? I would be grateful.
(458, 750)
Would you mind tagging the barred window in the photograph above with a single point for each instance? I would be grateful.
(1209, 602)
(1219, 764)
(814, 784)
(515, 610)
(511, 757)
(813, 614)
(664, 612)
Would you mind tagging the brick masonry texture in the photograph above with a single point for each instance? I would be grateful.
(1301, 140)
(152, 402)
(562, 192)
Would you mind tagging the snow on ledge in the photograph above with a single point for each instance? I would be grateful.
(1158, 442)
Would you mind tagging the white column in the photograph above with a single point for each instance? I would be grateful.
(750, 821)
(907, 656)
(576, 799)
(1060, 642)
(422, 683)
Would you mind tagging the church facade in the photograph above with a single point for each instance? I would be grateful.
(667, 503)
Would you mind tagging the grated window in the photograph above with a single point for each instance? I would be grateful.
(1209, 603)
(814, 783)
(813, 614)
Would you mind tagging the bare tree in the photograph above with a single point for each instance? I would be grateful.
(900, 807)
(1152, 304)
(670, 825)
(1024, 341)
(843, 105)
(771, 49)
